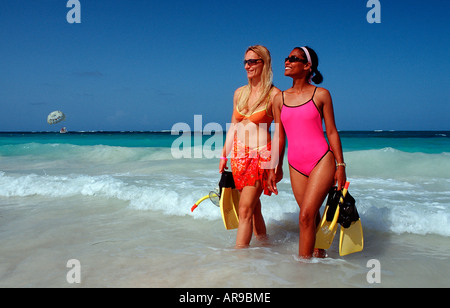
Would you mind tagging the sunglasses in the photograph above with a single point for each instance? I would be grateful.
(252, 61)
(294, 59)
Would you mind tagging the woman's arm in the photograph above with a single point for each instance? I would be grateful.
(333, 136)
(278, 145)
(229, 138)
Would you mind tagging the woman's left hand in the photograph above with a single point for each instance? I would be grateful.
(272, 181)
(340, 177)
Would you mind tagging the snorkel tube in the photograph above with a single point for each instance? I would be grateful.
(198, 202)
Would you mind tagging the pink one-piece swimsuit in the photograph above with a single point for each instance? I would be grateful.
(306, 140)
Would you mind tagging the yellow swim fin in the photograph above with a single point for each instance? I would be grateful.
(328, 226)
(226, 196)
(325, 234)
(229, 207)
(351, 237)
(229, 201)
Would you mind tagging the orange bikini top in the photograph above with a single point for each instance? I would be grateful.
(257, 117)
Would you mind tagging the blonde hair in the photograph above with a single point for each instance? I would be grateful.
(266, 79)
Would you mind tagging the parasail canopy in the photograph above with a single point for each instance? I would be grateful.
(55, 117)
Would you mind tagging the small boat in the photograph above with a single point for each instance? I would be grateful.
(63, 130)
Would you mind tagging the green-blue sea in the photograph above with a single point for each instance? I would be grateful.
(120, 203)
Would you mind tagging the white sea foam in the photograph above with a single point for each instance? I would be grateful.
(395, 191)
(384, 204)
(109, 205)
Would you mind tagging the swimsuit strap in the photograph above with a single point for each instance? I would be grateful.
(265, 106)
(313, 94)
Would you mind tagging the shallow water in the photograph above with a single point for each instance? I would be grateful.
(121, 247)
(124, 213)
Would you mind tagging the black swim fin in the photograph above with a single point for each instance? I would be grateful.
(340, 209)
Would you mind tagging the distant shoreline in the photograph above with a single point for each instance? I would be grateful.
(346, 133)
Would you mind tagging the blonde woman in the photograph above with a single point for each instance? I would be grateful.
(248, 142)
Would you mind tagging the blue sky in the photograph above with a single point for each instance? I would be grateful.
(146, 65)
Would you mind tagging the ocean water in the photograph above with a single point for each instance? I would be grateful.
(119, 203)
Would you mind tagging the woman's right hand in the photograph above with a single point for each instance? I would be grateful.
(223, 165)
(272, 181)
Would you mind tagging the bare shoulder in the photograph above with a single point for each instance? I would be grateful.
(274, 92)
(277, 100)
(322, 93)
(238, 90)
(322, 96)
(236, 95)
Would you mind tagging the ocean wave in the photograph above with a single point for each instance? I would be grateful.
(392, 163)
(88, 154)
(141, 193)
(396, 191)
(417, 207)
(385, 205)
(384, 162)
